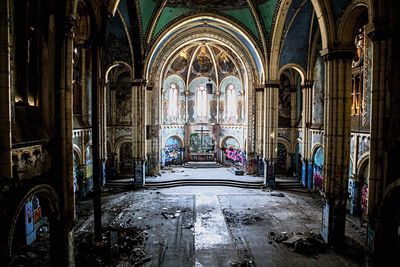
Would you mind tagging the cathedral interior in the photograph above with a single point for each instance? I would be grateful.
(199, 132)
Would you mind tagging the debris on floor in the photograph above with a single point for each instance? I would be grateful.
(307, 243)
(277, 195)
(118, 245)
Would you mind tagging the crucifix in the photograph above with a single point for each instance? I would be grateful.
(202, 132)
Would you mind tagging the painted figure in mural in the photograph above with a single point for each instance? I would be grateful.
(165, 110)
(221, 110)
(225, 64)
(191, 110)
(173, 94)
(284, 98)
(213, 111)
(182, 111)
(239, 111)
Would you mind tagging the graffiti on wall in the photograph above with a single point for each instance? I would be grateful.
(318, 168)
(173, 150)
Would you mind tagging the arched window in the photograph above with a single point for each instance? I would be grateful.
(230, 101)
(173, 100)
(201, 101)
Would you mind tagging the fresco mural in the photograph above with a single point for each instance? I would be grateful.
(125, 159)
(196, 112)
(284, 102)
(318, 160)
(124, 104)
(173, 151)
(281, 167)
(201, 105)
(232, 97)
(318, 93)
(173, 100)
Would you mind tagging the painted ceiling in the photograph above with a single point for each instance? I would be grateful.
(238, 11)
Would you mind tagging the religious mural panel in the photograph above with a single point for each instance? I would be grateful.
(318, 93)
(284, 102)
(124, 104)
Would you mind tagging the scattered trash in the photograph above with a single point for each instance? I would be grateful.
(277, 195)
(308, 243)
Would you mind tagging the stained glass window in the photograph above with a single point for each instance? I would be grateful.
(230, 101)
(173, 101)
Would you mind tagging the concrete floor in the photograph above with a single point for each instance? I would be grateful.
(223, 226)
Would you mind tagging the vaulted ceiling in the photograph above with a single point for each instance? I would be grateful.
(146, 22)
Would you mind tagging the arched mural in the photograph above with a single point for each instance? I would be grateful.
(284, 102)
(203, 100)
(318, 165)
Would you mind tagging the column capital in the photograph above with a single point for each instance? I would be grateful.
(139, 82)
(259, 88)
(272, 84)
(307, 84)
(377, 31)
(338, 54)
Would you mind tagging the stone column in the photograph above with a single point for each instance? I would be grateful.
(259, 131)
(384, 136)
(271, 100)
(96, 142)
(64, 164)
(139, 130)
(337, 120)
(306, 124)
(5, 93)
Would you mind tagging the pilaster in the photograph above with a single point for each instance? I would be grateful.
(337, 132)
(271, 100)
(139, 130)
(5, 93)
(306, 124)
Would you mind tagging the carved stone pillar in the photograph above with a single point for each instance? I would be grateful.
(306, 124)
(64, 165)
(336, 144)
(271, 100)
(139, 130)
(385, 141)
(5, 93)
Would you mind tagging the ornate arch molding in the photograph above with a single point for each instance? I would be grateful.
(363, 159)
(181, 141)
(51, 204)
(350, 22)
(231, 136)
(116, 64)
(287, 144)
(78, 151)
(227, 31)
(297, 68)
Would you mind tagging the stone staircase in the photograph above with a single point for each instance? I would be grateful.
(202, 164)
(284, 182)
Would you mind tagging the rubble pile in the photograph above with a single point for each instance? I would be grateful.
(38, 254)
(306, 243)
(242, 218)
(119, 244)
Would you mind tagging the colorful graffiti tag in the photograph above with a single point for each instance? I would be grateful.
(318, 168)
(173, 151)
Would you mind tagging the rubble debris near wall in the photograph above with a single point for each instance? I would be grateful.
(119, 245)
(37, 254)
(306, 243)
